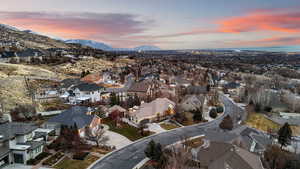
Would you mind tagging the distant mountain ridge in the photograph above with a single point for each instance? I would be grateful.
(103, 46)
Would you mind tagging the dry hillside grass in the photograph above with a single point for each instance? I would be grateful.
(12, 85)
(91, 64)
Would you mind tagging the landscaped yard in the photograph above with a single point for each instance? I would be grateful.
(168, 126)
(68, 163)
(132, 133)
(195, 143)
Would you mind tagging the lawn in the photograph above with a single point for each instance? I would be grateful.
(259, 121)
(168, 126)
(132, 133)
(195, 143)
(68, 163)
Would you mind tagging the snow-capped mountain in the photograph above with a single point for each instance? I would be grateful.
(90, 43)
(103, 46)
(146, 48)
(9, 27)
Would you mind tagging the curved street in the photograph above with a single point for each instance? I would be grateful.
(128, 156)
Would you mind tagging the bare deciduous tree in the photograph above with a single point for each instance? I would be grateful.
(179, 157)
(96, 135)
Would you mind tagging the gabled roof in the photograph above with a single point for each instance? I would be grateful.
(88, 87)
(224, 155)
(66, 83)
(116, 107)
(140, 86)
(76, 114)
(159, 105)
(10, 130)
(196, 90)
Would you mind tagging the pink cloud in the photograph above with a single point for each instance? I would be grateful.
(94, 26)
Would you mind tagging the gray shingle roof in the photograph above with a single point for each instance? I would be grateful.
(218, 155)
(196, 90)
(87, 87)
(10, 130)
(76, 114)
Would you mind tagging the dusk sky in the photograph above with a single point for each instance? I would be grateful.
(168, 24)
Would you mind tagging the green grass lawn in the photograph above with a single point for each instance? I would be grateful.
(68, 163)
(168, 126)
(132, 133)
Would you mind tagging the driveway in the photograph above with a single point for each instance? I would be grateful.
(154, 127)
(117, 140)
(127, 157)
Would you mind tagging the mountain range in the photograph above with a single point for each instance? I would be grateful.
(103, 46)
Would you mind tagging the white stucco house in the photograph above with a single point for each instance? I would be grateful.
(85, 92)
(20, 142)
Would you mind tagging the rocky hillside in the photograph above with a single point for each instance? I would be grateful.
(27, 39)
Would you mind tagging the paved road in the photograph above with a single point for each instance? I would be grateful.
(129, 156)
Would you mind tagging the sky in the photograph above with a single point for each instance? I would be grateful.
(168, 24)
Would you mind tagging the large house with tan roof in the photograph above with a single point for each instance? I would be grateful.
(159, 108)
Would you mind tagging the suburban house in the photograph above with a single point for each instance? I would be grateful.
(116, 108)
(84, 92)
(143, 89)
(159, 108)
(19, 142)
(219, 155)
(79, 115)
(192, 102)
(252, 140)
(193, 89)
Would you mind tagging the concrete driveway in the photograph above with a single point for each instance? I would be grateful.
(117, 140)
(154, 127)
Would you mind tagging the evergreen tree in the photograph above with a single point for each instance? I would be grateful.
(155, 152)
(226, 123)
(137, 101)
(150, 150)
(113, 99)
(285, 135)
(130, 102)
(197, 115)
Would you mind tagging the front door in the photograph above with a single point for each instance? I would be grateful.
(18, 158)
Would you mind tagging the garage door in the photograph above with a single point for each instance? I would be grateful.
(18, 158)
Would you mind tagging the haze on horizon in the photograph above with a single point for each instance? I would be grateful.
(168, 24)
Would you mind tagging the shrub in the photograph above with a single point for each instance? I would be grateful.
(227, 123)
(80, 155)
(267, 108)
(257, 107)
(38, 158)
(53, 145)
(213, 113)
(220, 109)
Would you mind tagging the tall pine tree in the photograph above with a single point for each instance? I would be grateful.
(285, 135)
